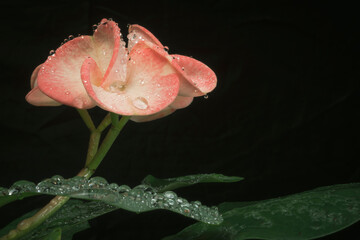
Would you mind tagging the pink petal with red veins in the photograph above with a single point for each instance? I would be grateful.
(38, 98)
(35, 96)
(197, 78)
(59, 77)
(106, 44)
(138, 33)
(151, 83)
(117, 72)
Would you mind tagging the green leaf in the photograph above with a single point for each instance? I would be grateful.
(307, 215)
(162, 185)
(18, 191)
(54, 235)
(139, 199)
(71, 218)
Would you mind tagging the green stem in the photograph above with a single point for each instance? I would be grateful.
(93, 146)
(87, 119)
(107, 142)
(104, 123)
(94, 158)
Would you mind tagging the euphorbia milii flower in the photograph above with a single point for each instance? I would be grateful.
(142, 80)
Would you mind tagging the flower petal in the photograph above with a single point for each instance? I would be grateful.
(151, 83)
(197, 78)
(35, 96)
(38, 98)
(179, 102)
(106, 44)
(59, 77)
(138, 33)
(33, 78)
(163, 113)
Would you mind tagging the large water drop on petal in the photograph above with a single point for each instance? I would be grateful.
(140, 103)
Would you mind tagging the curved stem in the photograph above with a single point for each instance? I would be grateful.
(104, 123)
(107, 142)
(84, 114)
(93, 146)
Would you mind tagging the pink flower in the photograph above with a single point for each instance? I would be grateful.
(142, 80)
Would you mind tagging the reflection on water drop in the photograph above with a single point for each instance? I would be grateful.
(206, 96)
(116, 87)
(67, 93)
(170, 194)
(140, 103)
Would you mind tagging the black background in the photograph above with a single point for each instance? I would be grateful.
(285, 114)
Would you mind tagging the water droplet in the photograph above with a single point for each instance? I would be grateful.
(166, 48)
(142, 82)
(94, 27)
(52, 52)
(104, 53)
(206, 96)
(67, 92)
(71, 37)
(170, 194)
(140, 103)
(124, 188)
(117, 87)
(183, 68)
(158, 84)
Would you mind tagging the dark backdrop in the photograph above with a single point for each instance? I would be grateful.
(285, 114)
